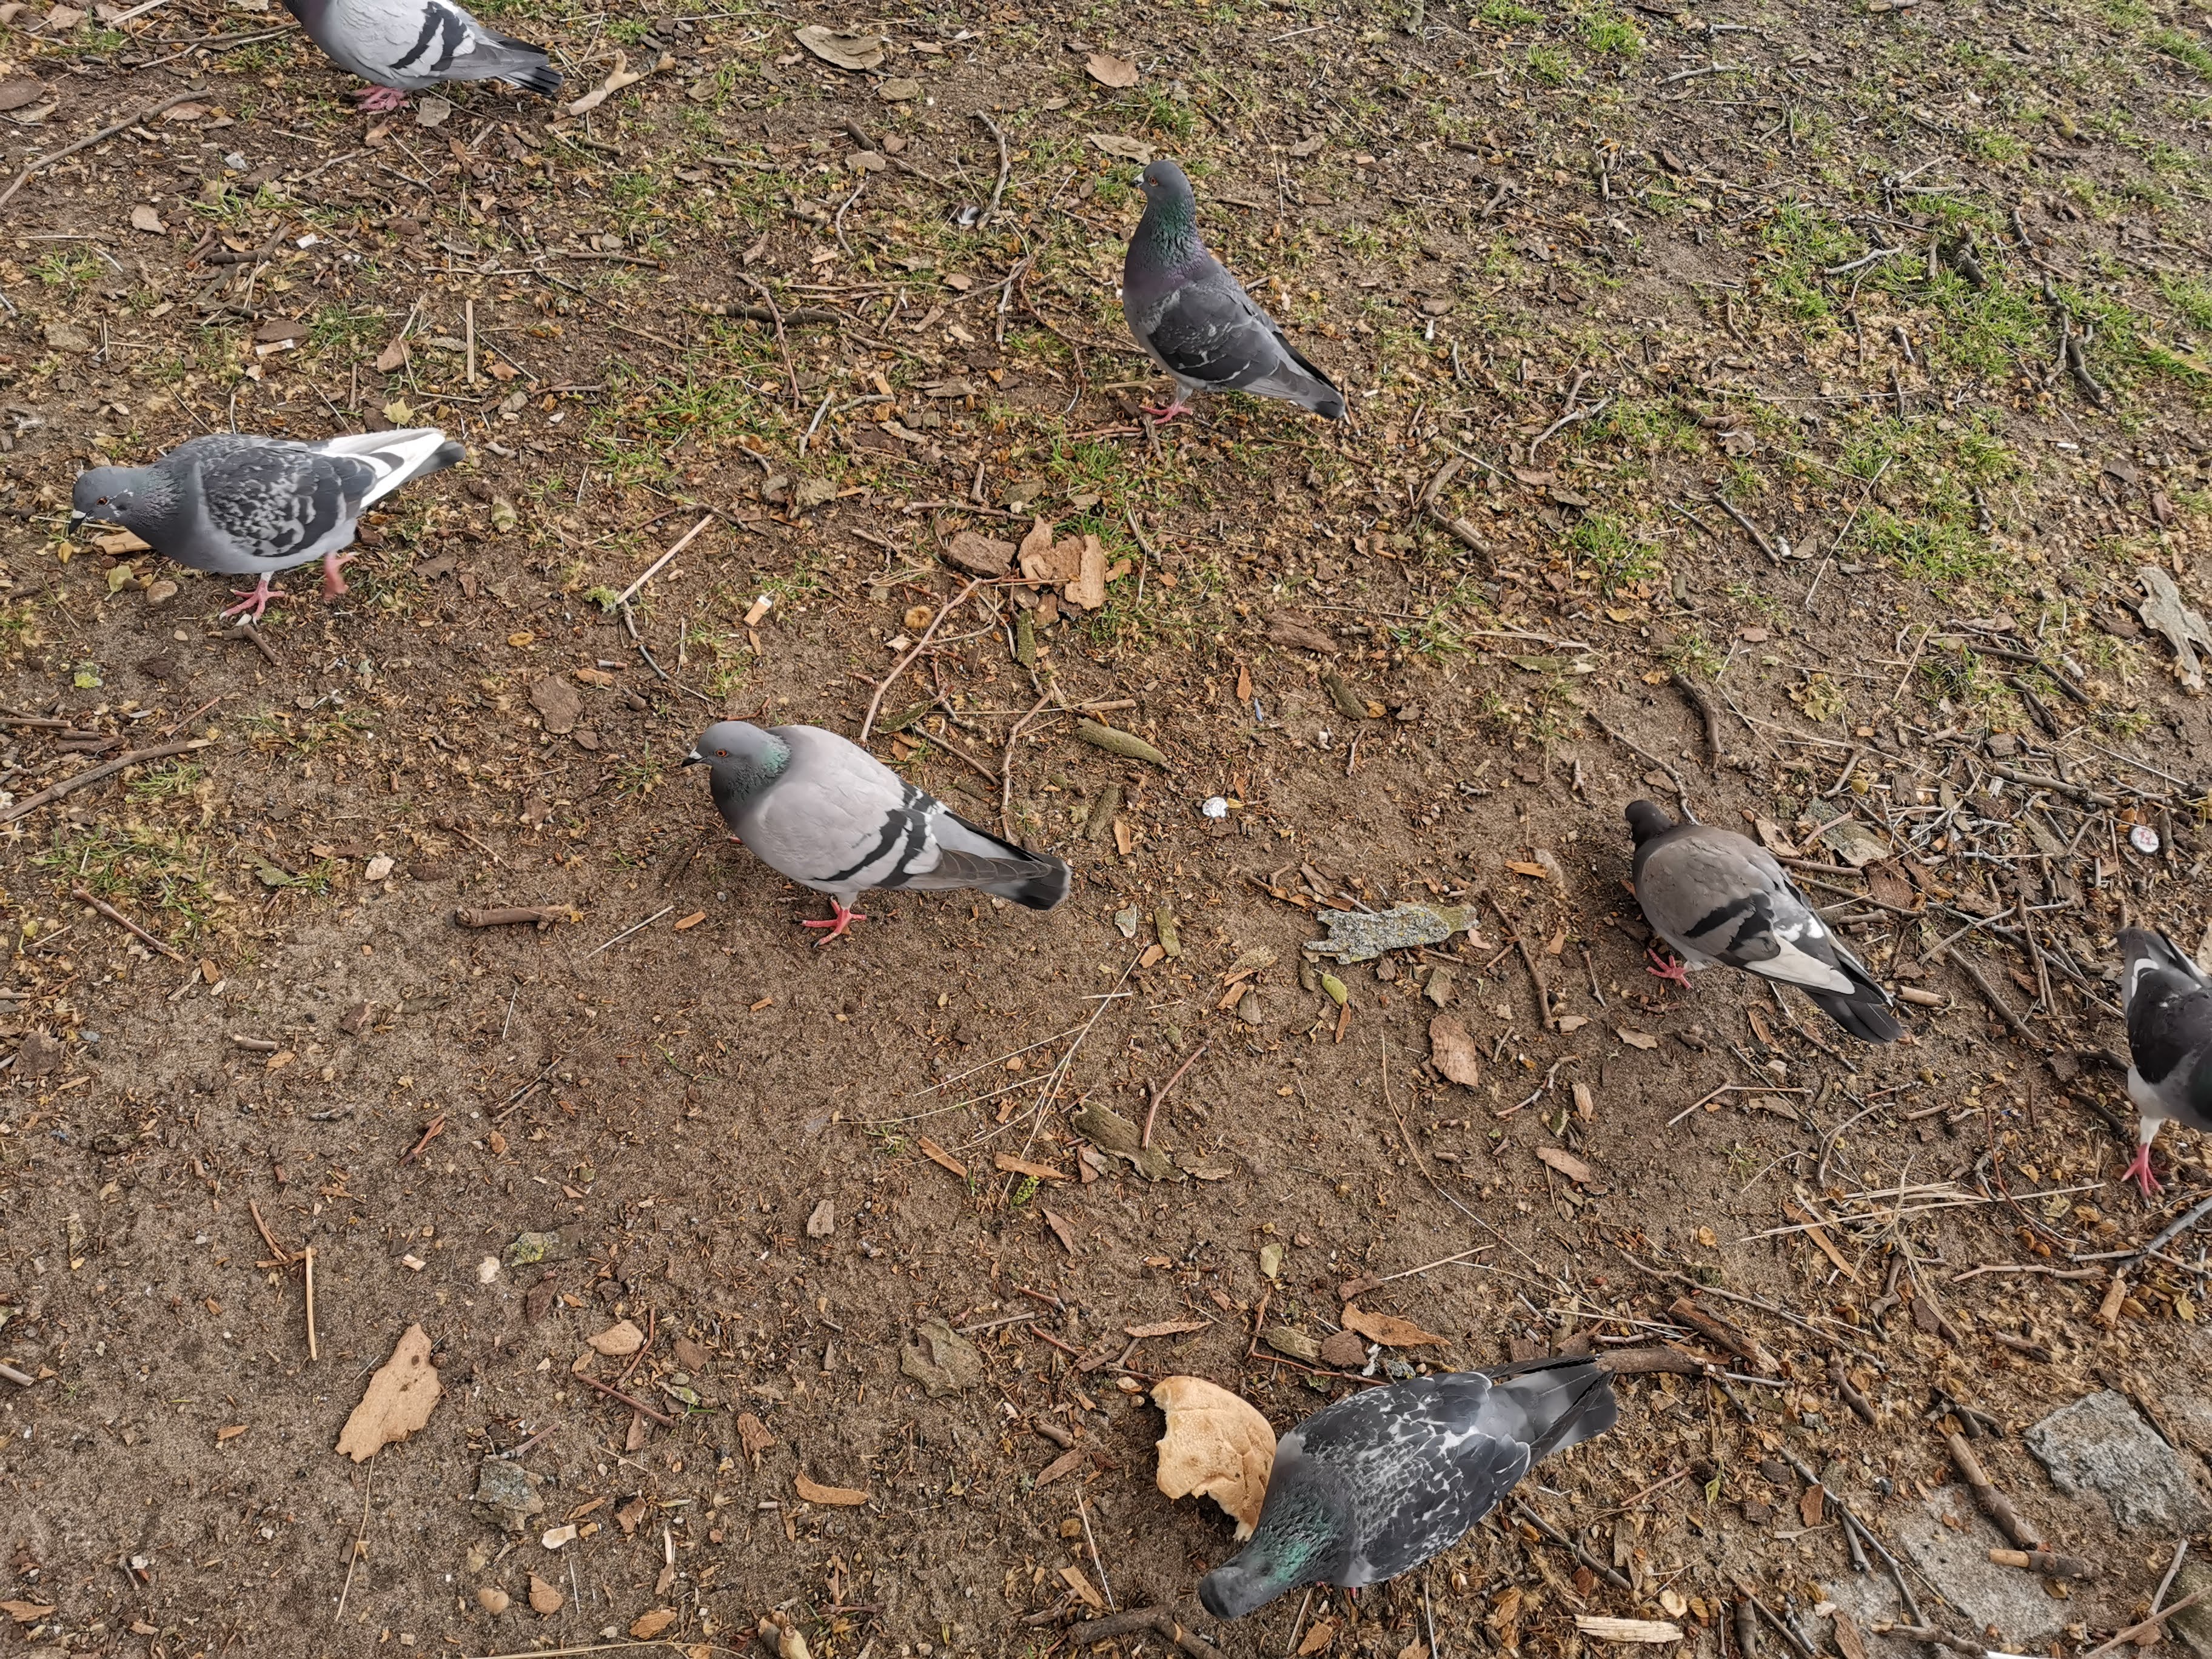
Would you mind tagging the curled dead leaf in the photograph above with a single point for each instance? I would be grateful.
(1391, 1331)
(647, 1625)
(1217, 1445)
(848, 49)
(1107, 70)
(1452, 1048)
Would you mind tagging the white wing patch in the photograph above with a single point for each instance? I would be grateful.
(1794, 967)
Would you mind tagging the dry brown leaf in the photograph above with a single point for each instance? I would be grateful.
(834, 1497)
(398, 1401)
(1062, 1231)
(1809, 1506)
(1323, 1633)
(647, 1625)
(1035, 549)
(26, 1612)
(1217, 1445)
(753, 1434)
(1637, 1039)
(1071, 1576)
(978, 555)
(618, 1341)
(392, 356)
(848, 49)
(1391, 1331)
(1088, 589)
(1452, 1048)
(1567, 1164)
(1067, 1463)
(147, 219)
(1107, 70)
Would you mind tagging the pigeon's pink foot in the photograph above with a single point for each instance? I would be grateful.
(837, 924)
(253, 601)
(381, 101)
(333, 584)
(2139, 1172)
(1666, 968)
(1167, 412)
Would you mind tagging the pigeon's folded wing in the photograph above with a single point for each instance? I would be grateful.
(1209, 332)
(420, 43)
(1728, 900)
(967, 856)
(280, 503)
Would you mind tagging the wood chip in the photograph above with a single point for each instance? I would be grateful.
(835, 1497)
(1567, 1164)
(1391, 1331)
(1067, 1463)
(1012, 1165)
(1626, 1630)
(398, 1401)
(1168, 1327)
(936, 1155)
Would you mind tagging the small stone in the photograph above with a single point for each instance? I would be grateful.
(557, 704)
(823, 1220)
(493, 1600)
(487, 1270)
(506, 1496)
(543, 1598)
(941, 1359)
(1126, 919)
(618, 1341)
(529, 1249)
(67, 337)
(37, 1054)
(160, 593)
(378, 868)
(899, 90)
(553, 1539)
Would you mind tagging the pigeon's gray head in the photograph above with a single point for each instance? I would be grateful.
(1646, 820)
(1299, 1538)
(139, 498)
(742, 758)
(1170, 221)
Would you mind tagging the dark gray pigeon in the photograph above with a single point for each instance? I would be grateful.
(1196, 321)
(408, 45)
(241, 506)
(1717, 896)
(1378, 1483)
(2169, 1007)
(830, 816)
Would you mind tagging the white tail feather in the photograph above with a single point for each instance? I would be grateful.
(399, 457)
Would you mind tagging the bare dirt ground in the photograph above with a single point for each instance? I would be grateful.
(1782, 401)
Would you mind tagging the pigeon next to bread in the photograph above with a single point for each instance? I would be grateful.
(1716, 896)
(826, 812)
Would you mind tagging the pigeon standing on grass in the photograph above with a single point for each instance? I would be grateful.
(830, 816)
(1378, 1483)
(2169, 1008)
(1196, 321)
(1716, 896)
(240, 506)
(409, 46)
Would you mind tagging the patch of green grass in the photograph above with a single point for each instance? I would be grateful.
(67, 268)
(1549, 65)
(1653, 427)
(18, 629)
(170, 782)
(1984, 329)
(1506, 15)
(1612, 553)
(342, 327)
(1795, 244)
(1609, 32)
(2191, 296)
(1163, 111)
(154, 872)
(1997, 144)
(2184, 48)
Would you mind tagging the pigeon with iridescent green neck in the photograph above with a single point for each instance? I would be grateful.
(1196, 321)
(1378, 1483)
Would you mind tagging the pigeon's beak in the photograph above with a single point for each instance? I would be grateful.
(694, 758)
(1136, 180)
(76, 517)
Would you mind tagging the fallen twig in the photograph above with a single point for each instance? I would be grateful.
(637, 1406)
(1749, 528)
(1161, 1093)
(505, 915)
(1995, 1503)
(1610, 1576)
(2045, 1562)
(39, 163)
(93, 774)
(1006, 166)
(2174, 1229)
(307, 1272)
(1159, 1621)
(868, 721)
(653, 569)
(2147, 1626)
(122, 921)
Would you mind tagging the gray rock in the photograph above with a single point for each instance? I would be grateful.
(2192, 1626)
(2101, 1443)
(1948, 1539)
(506, 1495)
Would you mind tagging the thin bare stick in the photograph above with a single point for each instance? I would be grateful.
(1006, 767)
(653, 569)
(637, 1406)
(307, 1262)
(868, 723)
(360, 1538)
(41, 162)
(775, 315)
(93, 774)
(1161, 1093)
(122, 921)
(1006, 166)
(1084, 1509)
(2147, 1626)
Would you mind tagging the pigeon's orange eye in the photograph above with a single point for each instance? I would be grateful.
(724, 753)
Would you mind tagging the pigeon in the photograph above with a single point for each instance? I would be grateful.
(406, 45)
(1378, 1483)
(830, 816)
(2169, 1006)
(242, 505)
(1196, 321)
(1716, 896)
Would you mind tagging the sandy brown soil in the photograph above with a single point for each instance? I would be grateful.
(1655, 223)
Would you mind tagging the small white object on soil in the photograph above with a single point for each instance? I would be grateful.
(1215, 807)
(2143, 839)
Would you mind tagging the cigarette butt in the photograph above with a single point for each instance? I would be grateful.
(1918, 998)
(761, 607)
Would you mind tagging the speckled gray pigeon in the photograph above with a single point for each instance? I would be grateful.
(408, 45)
(1196, 321)
(830, 816)
(1718, 896)
(2169, 1008)
(241, 506)
(1378, 1483)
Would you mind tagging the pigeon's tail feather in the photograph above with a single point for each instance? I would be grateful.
(1565, 1402)
(1863, 1011)
(527, 66)
(1302, 383)
(970, 856)
(399, 457)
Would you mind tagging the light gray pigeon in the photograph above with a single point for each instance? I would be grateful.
(407, 46)
(2169, 1007)
(1378, 1483)
(241, 506)
(830, 816)
(1717, 896)
(1196, 321)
